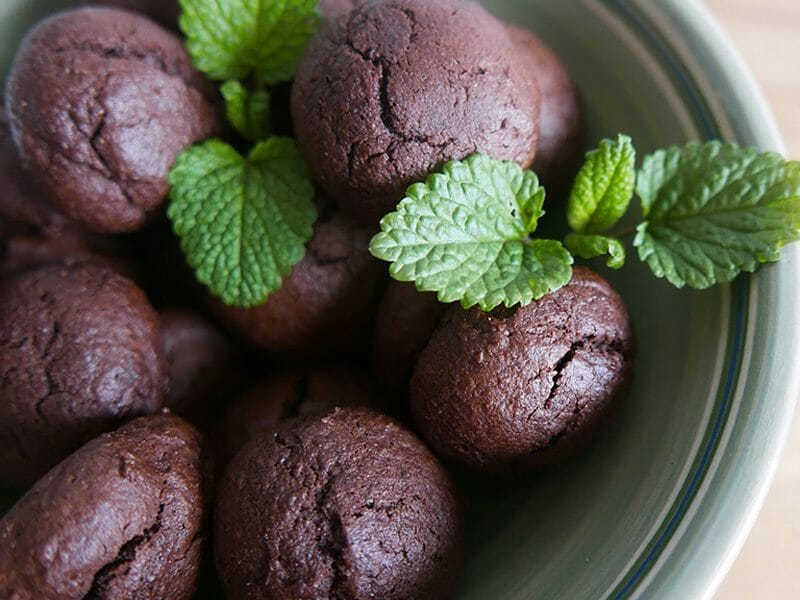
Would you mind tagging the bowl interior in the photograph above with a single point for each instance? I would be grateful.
(630, 515)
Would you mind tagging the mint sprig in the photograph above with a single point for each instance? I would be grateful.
(236, 39)
(714, 210)
(243, 222)
(466, 234)
(710, 211)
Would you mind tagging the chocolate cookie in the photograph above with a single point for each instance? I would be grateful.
(350, 505)
(561, 126)
(398, 87)
(406, 319)
(165, 12)
(325, 308)
(527, 386)
(100, 103)
(120, 518)
(201, 365)
(288, 394)
(80, 353)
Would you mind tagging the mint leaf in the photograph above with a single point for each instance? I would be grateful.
(464, 233)
(247, 111)
(603, 188)
(714, 210)
(232, 39)
(242, 222)
(589, 246)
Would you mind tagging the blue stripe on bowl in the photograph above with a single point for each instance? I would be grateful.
(668, 57)
(654, 549)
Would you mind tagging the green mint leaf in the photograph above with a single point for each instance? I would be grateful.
(604, 187)
(242, 223)
(232, 39)
(247, 111)
(588, 246)
(464, 233)
(714, 210)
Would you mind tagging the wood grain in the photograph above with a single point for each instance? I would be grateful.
(767, 34)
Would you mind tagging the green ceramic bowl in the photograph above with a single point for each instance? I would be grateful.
(660, 507)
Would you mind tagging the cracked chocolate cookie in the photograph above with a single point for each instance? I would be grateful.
(406, 319)
(325, 308)
(119, 518)
(388, 93)
(100, 102)
(524, 387)
(288, 394)
(165, 12)
(80, 354)
(350, 505)
(201, 363)
(560, 151)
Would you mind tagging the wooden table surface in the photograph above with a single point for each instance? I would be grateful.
(767, 35)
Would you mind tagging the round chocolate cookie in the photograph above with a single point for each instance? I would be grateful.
(80, 353)
(100, 103)
(325, 308)
(165, 12)
(561, 127)
(524, 387)
(391, 91)
(406, 319)
(350, 505)
(120, 518)
(201, 365)
(300, 392)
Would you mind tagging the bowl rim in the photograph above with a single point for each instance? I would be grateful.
(688, 41)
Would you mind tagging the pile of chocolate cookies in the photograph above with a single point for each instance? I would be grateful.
(146, 427)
